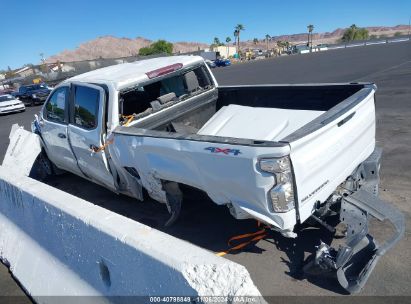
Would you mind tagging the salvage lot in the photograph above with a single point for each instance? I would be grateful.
(275, 263)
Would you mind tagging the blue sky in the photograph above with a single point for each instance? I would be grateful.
(45, 26)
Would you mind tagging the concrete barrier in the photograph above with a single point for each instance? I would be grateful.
(57, 244)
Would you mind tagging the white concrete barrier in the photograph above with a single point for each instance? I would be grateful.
(57, 244)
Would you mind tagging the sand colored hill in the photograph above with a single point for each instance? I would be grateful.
(114, 47)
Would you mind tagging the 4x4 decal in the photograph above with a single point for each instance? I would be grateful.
(224, 151)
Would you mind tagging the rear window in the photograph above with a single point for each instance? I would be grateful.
(166, 91)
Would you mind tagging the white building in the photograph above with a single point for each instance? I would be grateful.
(225, 50)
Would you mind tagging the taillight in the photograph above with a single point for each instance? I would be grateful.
(164, 70)
(282, 194)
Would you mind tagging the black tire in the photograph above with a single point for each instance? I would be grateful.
(42, 168)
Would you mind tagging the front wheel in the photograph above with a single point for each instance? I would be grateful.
(42, 168)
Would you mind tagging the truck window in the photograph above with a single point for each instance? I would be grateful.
(171, 89)
(55, 109)
(86, 104)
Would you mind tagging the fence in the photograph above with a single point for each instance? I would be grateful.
(368, 42)
(53, 73)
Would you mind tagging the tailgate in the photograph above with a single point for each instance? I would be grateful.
(327, 150)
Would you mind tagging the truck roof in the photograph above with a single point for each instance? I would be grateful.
(125, 74)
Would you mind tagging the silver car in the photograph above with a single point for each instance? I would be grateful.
(9, 104)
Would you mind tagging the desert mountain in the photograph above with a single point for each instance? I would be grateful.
(114, 47)
(332, 37)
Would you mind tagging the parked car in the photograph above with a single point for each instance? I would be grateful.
(210, 63)
(9, 104)
(33, 94)
(6, 92)
(222, 62)
(280, 154)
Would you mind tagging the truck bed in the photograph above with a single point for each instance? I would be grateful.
(337, 128)
(269, 124)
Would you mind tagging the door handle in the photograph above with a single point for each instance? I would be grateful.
(93, 148)
(61, 135)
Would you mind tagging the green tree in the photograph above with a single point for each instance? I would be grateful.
(145, 51)
(373, 37)
(255, 41)
(280, 46)
(310, 28)
(355, 33)
(158, 47)
(397, 34)
(228, 40)
(162, 46)
(237, 31)
(216, 41)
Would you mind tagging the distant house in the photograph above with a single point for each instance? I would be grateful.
(56, 67)
(24, 72)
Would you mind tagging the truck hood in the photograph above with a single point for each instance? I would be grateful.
(269, 124)
(41, 92)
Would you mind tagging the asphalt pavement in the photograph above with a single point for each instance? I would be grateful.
(275, 264)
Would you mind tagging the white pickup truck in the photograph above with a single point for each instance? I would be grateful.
(280, 154)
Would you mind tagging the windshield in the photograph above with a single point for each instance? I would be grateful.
(5, 98)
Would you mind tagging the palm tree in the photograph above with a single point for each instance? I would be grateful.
(354, 29)
(237, 31)
(255, 41)
(216, 41)
(280, 45)
(228, 40)
(310, 28)
(267, 39)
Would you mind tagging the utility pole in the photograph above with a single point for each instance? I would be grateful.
(44, 64)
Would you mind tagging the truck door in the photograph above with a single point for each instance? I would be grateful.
(87, 131)
(53, 122)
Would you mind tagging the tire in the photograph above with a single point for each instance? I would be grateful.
(42, 168)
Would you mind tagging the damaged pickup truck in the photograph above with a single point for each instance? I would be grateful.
(281, 154)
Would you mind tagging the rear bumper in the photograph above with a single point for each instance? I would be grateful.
(359, 257)
(355, 260)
